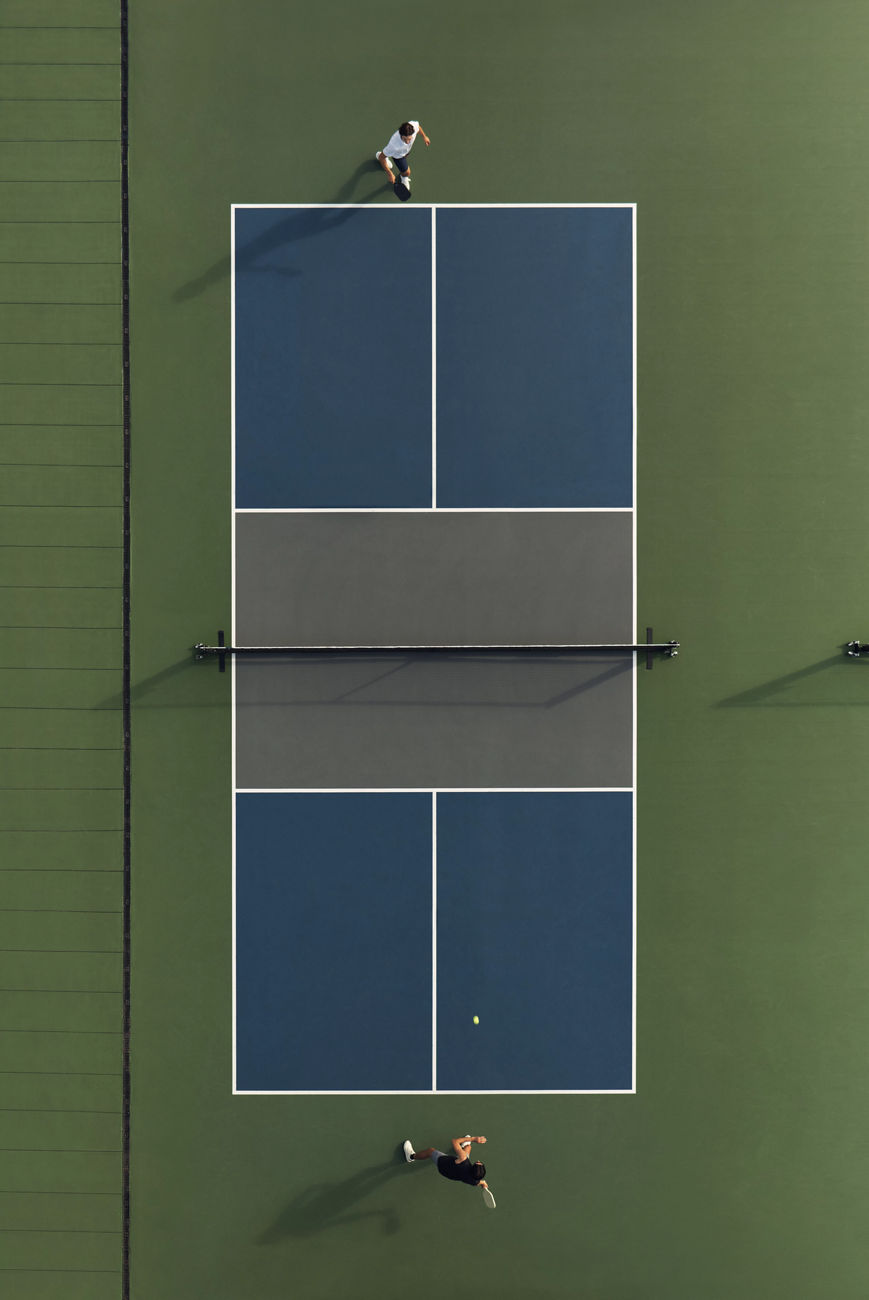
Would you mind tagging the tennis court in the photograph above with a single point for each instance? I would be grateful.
(414, 844)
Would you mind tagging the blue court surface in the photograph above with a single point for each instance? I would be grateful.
(372, 927)
(418, 357)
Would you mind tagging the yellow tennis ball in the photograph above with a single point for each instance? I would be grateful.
(476, 1020)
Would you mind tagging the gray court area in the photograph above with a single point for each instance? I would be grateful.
(386, 720)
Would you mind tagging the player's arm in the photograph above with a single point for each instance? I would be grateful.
(425, 138)
(462, 1146)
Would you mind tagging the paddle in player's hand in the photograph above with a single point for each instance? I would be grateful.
(488, 1198)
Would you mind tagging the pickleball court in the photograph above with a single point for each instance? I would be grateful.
(434, 444)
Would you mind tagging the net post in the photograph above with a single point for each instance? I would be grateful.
(650, 657)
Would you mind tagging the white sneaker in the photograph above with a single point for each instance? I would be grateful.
(409, 1152)
(405, 180)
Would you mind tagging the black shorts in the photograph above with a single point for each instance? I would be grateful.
(402, 164)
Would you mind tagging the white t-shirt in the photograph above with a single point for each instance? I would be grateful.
(396, 147)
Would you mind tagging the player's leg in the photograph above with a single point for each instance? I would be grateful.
(410, 1155)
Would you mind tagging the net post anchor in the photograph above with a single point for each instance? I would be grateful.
(221, 650)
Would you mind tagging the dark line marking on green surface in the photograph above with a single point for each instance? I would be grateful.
(58, 27)
(35, 505)
(63, 99)
(40, 424)
(11, 586)
(56, 627)
(61, 63)
(42, 1191)
(68, 1151)
(59, 709)
(49, 343)
(61, 221)
(56, 180)
(67, 911)
(72, 139)
(67, 303)
(43, 383)
(18, 261)
(102, 1033)
(53, 1110)
(57, 546)
(70, 1074)
(113, 992)
(99, 1232)
(4, 1269)
(59, 464)
(71, 749)
(90, 952)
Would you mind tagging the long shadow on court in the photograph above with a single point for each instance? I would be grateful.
(334, 1205)
(513, 681)
(300, 223)
(173, 674)
(171, 687)
(836, 680)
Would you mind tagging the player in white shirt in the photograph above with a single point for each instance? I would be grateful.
(399, 146)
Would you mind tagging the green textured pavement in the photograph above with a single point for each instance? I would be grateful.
(61, 497)
(739, 130)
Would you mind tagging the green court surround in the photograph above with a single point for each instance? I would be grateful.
(737, 1169)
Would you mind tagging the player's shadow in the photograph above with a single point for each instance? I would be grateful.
(336, 1204)
(298, 224)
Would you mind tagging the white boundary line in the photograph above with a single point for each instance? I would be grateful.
(434, 507)
(235, 510)
(636, 659)
(232, 657)
(434, 941)
(385, 207)
(435, 1091)
(442, 789)
(428, 510)
(444, 1092)
(434, 360)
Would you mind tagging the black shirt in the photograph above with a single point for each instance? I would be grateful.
(461, 1173)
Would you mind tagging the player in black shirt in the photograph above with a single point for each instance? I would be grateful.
(457, 1167)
